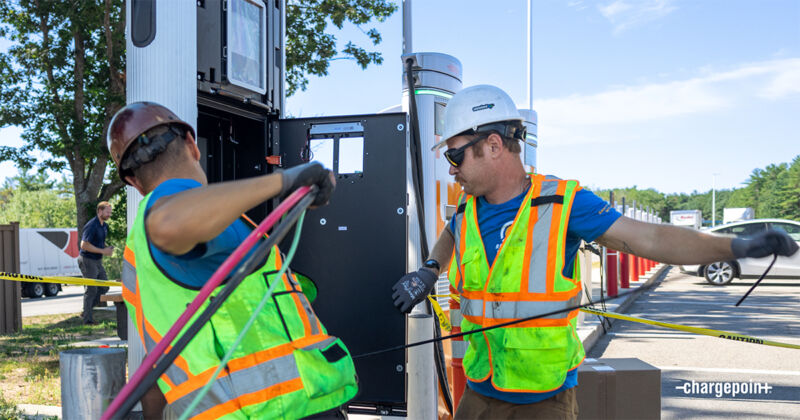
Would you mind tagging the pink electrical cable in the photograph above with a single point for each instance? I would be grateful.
(216, 279)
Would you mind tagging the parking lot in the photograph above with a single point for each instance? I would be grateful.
(768, 378)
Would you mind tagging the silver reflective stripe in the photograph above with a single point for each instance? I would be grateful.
(470, 307)
(525, 309)
(517, 309)
(537, 269)
(459, 348)
(261, 376)
(312, 317)
(173, 372)
(455, 317)
(128, 276)
(221, 392)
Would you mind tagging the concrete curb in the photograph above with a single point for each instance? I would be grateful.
(591, 331)
(35, 411)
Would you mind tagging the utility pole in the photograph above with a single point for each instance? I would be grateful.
(408, 47)
(530, 55)
(714, 199)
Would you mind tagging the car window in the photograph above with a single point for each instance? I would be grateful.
(792, 230)
(748, 229)
(723, 231)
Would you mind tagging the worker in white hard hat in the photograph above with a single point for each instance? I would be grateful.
(510, 251)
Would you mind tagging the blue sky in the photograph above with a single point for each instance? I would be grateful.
(658, 94)
(654, 93)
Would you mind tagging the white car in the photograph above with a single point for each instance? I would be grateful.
(721, 273)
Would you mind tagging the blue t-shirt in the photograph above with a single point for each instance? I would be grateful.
(95, 234)
(205, 258)
(589, 218)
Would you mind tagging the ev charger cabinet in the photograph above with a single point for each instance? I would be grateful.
(355, 248)
(690, 218)
(735, 214)
(437, 77)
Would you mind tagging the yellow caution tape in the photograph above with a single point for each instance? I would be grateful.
(696, 330)
(59, 279)
(453, 296)
(444, 323)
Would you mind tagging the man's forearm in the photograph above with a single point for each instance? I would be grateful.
(443, 249)
(179, 222)
(666, 243)
(87, 246)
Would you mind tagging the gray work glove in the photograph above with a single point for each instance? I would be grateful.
(412, 288)
(764, 244)
(312, 173)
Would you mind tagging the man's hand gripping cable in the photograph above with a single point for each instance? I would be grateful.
(149, 371)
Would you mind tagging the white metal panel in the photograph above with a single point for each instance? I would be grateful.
(163, 71)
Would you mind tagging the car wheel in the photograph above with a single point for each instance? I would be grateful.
(36, 290)
(720, 273)
(50, 289)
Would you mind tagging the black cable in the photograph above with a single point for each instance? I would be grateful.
(416, 171)
(416, 162)
(774, 258)
(505, 324)
(215, 302)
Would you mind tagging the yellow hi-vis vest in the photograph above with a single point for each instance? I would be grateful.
(285, 367)
(526, 279)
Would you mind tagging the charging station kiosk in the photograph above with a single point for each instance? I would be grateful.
(219, 64)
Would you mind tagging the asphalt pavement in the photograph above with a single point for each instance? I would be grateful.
(68, 301)
(695, 368)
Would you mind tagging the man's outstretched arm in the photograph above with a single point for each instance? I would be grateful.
(678, 245)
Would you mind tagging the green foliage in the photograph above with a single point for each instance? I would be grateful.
(772, 192)
(117, 233)
(61, 80)
(309, 49)
(36, 202)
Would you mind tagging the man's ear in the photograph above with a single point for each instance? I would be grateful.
(495, 143)
(135, 184)
(193, 149)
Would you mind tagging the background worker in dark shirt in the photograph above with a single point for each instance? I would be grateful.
(90, 260)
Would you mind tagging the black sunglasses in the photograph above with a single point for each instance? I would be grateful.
(456, 156)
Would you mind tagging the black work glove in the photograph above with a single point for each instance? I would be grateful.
(764, 244)
(308, 174)
(412, 288)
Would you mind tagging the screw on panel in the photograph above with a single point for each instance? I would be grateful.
(399, 368)
(400, 210)
(400, 127)
(323, 221)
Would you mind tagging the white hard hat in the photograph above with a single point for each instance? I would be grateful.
(477, 106)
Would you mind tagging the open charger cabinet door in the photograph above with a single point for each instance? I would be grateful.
(355, 248)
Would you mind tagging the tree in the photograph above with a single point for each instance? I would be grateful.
(62, 78)
(61, 81)
(309, 50)
(37, 202)
(790, 193)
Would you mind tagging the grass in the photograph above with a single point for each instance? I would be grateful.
(29, 366)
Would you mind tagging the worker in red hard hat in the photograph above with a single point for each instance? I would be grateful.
(286, 366)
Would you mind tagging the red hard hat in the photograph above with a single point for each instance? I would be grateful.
(134, 120)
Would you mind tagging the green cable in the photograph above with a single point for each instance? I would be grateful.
(249, 323)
